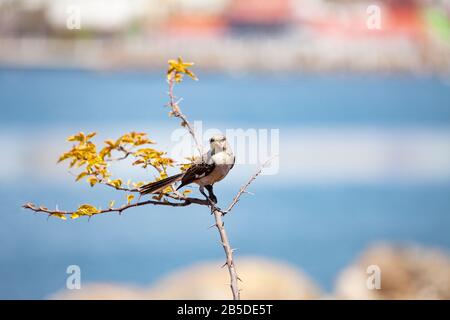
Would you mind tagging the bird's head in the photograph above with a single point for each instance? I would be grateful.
(218, 143)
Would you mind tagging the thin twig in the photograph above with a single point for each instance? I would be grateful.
(134, 190)
(176, 112)
(126, 154)
(246, 185)
(184, 203)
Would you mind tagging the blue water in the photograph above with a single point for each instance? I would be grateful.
(72, 96)
(319, 228)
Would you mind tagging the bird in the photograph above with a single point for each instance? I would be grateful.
(205, 171)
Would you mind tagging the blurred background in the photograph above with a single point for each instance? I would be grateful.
(364, 152)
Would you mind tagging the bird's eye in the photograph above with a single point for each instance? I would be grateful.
(211, 140)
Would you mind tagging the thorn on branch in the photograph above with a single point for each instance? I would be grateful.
(246, 185)
(28, 205)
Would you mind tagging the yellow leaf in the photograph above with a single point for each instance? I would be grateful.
(78, 137)
(163, 175)
(178, 77)
(138, 184)
(90, 135)
(116, 183)
(111, 203)
(72, 163)
(186, 192)
(86, 209)
(74, 215)
(63, 157)
(129, 198)
(92, 181)
(81, 176)
(110, 143)
(186, 166)
(138, 162)
(60, 215)
(178, 68)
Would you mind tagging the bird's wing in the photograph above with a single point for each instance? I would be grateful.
(197, 171)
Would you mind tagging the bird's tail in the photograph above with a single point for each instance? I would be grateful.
(155, 187)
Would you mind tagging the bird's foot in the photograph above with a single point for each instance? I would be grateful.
(213, 204)
(215, 208)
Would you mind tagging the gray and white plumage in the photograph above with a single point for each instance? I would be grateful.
(212, 167)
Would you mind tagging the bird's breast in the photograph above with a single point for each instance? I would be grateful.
(223, 163)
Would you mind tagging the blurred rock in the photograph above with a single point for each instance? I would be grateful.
(262, 279)
(406, 273)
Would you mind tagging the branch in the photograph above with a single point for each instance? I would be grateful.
(135, 190)
(218, 214)
(246, 185)
(176, 112)
(125, 152)
(229, 254)
(186, 201)
(175, 195)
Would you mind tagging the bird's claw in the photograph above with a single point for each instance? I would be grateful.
(215, 208)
